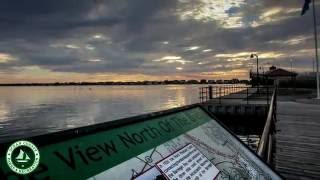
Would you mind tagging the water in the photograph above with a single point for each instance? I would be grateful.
(29, 111)
(252, 141)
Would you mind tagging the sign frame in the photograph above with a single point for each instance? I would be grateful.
(60, 136)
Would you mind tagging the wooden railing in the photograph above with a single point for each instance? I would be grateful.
(269, 94)
(266, 141)
(238, 91)
(219, 92)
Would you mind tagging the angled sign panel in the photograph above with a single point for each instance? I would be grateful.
(186, 143)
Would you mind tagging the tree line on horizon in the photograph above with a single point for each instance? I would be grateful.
(165, 82)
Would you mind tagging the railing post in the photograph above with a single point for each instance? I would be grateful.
(275, 104)
(207, 94)
(222, 91)
(247, 95)
(265, 143)
(216, 92)
(269, 155)
(200, 94)
(210, 92)
(268, 95)
(219, 95)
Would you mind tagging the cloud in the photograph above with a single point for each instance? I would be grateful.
(4, 58)
(95, 60)
(168, 58)
(152, 38)
(225, 13)
(192, 48)
(207, 50)
(72, 46)
(247, 55)
(172, 59)
(292, 41)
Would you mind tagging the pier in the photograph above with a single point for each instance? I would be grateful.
(287, 124)
(297, 136)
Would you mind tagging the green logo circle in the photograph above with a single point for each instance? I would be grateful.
(23, 157)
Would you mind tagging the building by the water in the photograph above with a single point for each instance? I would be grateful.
(271, 76)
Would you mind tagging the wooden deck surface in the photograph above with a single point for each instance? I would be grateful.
(297, 146)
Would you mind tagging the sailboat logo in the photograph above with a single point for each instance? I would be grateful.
(22, 157)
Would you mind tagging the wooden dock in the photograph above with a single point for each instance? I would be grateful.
(297, 146)
(295, 149)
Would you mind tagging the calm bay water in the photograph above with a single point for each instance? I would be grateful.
(29, 111)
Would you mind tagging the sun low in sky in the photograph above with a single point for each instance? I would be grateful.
(132, 40)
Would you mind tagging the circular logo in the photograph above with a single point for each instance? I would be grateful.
(23, 157)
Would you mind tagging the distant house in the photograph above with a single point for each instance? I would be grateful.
(273, 75)
(278, 74)
(211, 81)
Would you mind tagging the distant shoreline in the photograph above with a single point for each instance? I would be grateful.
(173, 82)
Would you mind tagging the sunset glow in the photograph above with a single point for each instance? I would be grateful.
(183, 39)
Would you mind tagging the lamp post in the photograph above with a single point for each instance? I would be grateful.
(252, 56)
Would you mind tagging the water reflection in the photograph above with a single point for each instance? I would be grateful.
(177, 97)
(29, 111)
(251, 141)
(4, 112)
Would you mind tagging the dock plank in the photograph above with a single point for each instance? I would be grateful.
(297, 146)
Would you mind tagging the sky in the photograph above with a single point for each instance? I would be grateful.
(135, 40)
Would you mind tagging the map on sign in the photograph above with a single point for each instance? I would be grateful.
(185, 144)
(229, 157)
(187, 163)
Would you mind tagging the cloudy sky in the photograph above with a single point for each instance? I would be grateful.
(128, 40)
